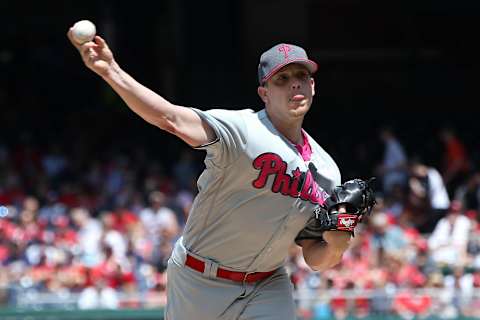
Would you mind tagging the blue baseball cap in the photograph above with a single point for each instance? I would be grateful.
(279, 56)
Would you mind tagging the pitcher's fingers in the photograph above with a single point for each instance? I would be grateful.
(100, 41)
(85, 48)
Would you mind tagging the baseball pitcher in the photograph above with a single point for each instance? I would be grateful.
(267, 184)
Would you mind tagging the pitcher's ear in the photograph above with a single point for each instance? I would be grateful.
(262, 93)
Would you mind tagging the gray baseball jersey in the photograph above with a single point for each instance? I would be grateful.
(255, 194)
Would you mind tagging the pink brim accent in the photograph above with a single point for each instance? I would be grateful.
(311, 66)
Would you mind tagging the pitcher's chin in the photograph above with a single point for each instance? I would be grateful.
(300, 111)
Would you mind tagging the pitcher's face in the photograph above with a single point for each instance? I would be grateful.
(289, 92)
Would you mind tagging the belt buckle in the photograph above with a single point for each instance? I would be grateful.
(244, 283)
(246, 276)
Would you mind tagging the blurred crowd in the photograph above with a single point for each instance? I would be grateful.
(103, 228)
(418, 254)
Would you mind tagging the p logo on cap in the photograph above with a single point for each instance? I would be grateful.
(285, 48)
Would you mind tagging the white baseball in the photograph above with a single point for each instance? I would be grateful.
(83, 31)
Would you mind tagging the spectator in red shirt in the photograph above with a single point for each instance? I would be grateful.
(456, 163)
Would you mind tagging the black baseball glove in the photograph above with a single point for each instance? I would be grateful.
(356, 195)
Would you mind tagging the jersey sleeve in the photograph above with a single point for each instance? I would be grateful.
(231, 135)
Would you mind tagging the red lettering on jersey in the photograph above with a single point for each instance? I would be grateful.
(295, 187)
(282, 181)
(307, 186)
(268, 164)
(272, 164)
